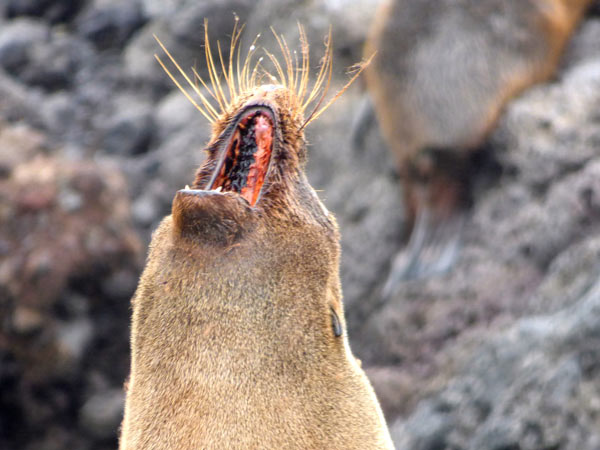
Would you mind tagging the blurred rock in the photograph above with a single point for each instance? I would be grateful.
(146, 210)
(138, 56)
(129, 132)
(52, 10)
(18, 103)
(18, 144)
(173, 113)
(110, 24)
(53, 64)
(70, 262)
(349, 21)
(101, 414)
(182, 33)
(16, 41)
(73, 339)
(584, 43)
(525, 388)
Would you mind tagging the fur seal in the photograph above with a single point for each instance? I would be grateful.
(441, 75)
(238, 335)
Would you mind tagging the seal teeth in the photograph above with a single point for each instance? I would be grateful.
(219, 189)
(187, 186)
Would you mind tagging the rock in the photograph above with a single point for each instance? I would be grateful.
(18, 144)
(138, 57)
(18, 103)
(583, 45)
(173, 113)
(73, 339)
(146, 210)
(110, 24)
(101, 414)
(70, 261)
(182, 33)
(52, 10)
(53, 64)
(129, 132)
(187, 24)
(16, 41)
(528, 384)
(392, 388)
(568, 277)
(120, 284)
(537, 133)
(26, 320)
(58, 112)
(350, 20)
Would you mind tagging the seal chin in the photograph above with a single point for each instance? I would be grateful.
(211, 217)
(245, 156)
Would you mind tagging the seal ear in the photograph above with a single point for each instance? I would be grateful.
(336, 325)
(210, 217)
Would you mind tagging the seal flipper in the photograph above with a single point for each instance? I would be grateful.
(433, 248)
(211, 217)
(438, 193)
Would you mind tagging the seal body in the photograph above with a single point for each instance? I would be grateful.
(238, 333)
(442, 72)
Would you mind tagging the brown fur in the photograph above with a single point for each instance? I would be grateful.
(443, 71)
(232, 339)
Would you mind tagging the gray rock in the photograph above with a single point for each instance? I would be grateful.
(187, 24)
(110, 24)
(73, 338)
(120, 284)
(533, 383)
(101, 414)
(173, 113)
(182, 33)
(584, 45)
(17, 38)
(349, 21)
(138, 57)
(58, 112)
(146, 210)
(52, 10)
(544, 122)
(129, 132)
(53, 64)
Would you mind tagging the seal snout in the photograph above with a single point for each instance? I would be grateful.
(244, 160)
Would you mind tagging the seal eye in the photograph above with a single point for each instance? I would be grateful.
(335, 323)
(245, 161)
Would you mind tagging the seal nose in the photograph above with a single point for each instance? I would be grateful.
(265, 91)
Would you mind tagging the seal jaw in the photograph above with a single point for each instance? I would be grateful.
(245, 157)
(210, 217)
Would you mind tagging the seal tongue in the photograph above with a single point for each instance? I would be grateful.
(246, 160)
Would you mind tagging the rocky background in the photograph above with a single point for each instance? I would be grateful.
(501, 353)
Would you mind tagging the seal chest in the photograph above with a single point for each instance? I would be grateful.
(238, 333)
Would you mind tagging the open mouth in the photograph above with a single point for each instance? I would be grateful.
(244, 162)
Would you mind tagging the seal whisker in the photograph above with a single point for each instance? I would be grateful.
(212, 71)
(208, 113)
